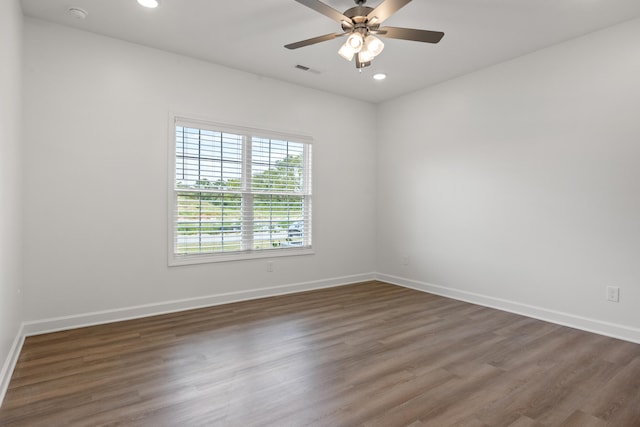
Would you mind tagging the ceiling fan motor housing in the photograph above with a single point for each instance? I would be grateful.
(359, 22)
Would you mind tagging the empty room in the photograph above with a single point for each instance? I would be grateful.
(320, 213)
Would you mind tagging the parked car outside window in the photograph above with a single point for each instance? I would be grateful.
(294, 233)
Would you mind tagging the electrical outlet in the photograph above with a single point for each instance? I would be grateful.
(405, 260)
(613, 293)
(269, 266)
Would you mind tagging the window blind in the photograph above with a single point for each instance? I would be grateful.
(239, 191)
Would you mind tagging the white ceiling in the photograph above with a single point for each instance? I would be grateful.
(250, 34)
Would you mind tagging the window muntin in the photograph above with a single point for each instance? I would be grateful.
(238, 192)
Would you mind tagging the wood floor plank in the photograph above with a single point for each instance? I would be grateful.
(580, 419)
(618, 400)
(525, 422)
(369, 354)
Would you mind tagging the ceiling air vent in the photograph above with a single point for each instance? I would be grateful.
(305, 68)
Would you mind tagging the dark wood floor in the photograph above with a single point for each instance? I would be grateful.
(369, 354)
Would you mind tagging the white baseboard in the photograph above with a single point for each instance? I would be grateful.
(43, 326)
(10, 363)
(613, 330)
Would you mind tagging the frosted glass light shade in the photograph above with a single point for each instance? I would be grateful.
(355, 42)
(346, 52)
(373, 45)
(365, 56)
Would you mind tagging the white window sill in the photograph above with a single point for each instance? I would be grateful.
(175, 261)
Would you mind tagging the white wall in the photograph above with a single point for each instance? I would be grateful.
(519, 185)
(516, 186)
(97, 111)
(10, 183)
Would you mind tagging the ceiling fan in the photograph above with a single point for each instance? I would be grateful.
(361, 25)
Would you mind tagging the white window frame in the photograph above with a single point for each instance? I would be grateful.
(247, 220)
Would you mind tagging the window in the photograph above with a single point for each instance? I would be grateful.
(238, 193)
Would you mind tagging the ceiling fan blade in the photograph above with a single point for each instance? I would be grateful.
(313, 40)
(411, 34)
(324, 9)
(386, 9)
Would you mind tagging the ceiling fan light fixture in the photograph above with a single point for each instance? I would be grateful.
(374, 45)
(360, 65)
(365, 56)
(359, 24)
(355, 42)
(346, 52)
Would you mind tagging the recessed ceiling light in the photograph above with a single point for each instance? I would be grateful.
(77, 13)
(149, 3)
(379, 76)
